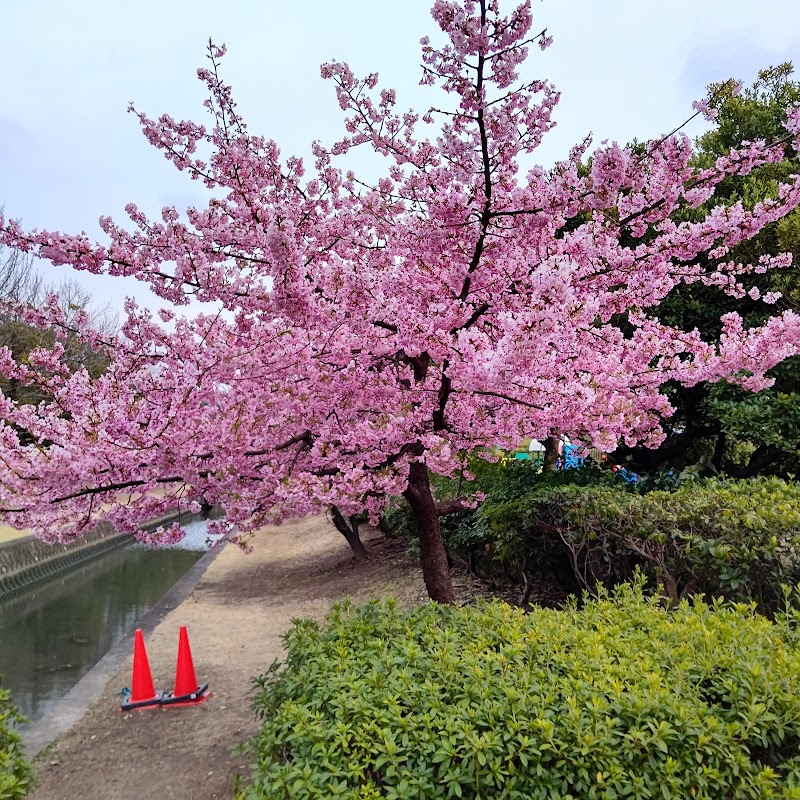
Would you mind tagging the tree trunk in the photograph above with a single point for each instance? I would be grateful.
(350, 532)
(550, 454)
(432, 555)
(761, 458)
(719, 451)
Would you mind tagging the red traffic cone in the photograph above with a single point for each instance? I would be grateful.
(143, 693)
(187, 690)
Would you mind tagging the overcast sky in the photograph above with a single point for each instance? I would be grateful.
(69, 152)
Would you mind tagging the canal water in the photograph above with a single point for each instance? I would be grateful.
(53, 634)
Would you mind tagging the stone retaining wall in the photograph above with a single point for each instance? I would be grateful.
(24, 562)
(27, 561)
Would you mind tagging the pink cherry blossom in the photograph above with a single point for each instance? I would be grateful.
(370, 332)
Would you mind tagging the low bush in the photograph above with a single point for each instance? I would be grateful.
(589, 527)
(736, 539)
(467, 532)
(621, 698)
(473, 535)
(15, 771)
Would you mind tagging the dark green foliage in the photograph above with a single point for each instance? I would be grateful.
(763, 425)
(737, 539)
(588, 527)
(620, 699)
(467, 532)
(15, 771)
(473, 533)
(723, 428)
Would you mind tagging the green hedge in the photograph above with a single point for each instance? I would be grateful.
(619, 699)
(737, 539)
(467, 532)
(15, 771)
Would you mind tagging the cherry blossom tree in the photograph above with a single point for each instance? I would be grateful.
(370, 334)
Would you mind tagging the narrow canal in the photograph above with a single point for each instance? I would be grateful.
(53, 634)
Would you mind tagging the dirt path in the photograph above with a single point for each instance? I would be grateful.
(235, 618)
(8, 534)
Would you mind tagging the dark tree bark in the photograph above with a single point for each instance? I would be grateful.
(761, 458)
(719, 451)
(550, 454)
(673, 449)
(444, 507)
(432, 554)
(350, 532)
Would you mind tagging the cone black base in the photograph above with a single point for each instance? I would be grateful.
(198, 696)
(153, 702)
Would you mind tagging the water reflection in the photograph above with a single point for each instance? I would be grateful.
(54, 634)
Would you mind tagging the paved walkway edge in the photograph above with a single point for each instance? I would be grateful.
(75, 703)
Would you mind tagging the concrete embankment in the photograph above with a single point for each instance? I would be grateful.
(28, 560)
(25, 561)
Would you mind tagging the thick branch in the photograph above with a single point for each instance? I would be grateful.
(306, 437)
(444, 507)
(113, 487)
(486, 213)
